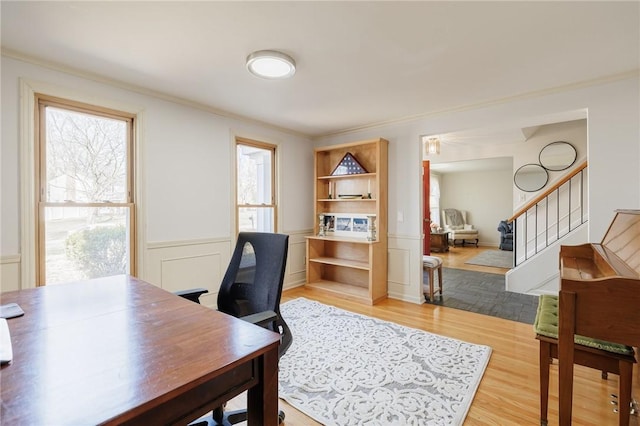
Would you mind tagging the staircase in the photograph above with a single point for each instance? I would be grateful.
(556, 217)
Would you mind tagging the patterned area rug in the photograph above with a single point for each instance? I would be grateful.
(349, 369)
(496, 258)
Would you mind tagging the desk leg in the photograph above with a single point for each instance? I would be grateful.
(567, 312)
(262, 399)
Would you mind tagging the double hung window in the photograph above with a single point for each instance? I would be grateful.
(85, 214)
(255, 186)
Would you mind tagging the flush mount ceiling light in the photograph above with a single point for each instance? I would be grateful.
(430, 145)
(271, 64)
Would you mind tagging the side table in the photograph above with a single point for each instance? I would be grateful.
(439, 241)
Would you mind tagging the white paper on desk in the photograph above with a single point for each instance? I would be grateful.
(6, 351)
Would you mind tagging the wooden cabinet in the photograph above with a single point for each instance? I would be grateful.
(439, 241)
(346, 261)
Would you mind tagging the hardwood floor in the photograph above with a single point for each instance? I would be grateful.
(457, 256)
(509, 391)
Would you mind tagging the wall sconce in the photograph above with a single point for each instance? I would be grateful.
(430, 145)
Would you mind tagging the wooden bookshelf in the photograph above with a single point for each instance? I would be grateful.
(348, 264)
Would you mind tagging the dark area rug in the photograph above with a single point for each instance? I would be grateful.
(484, 293)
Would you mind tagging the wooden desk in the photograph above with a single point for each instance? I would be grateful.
(118, 350)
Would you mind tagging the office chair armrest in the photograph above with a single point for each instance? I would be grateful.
(192, 294)
(261, 318)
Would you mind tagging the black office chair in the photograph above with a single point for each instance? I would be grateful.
(251, 290)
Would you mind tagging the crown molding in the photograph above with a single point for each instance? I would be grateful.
(370, 126)
(98, 78)
(522, 96)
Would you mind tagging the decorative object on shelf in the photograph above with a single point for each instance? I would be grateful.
(531, 177)
(430, 145)
(348, 166)
(321, 230)
(350, 196)
(330, 190)
(558, 156)
(371, 230)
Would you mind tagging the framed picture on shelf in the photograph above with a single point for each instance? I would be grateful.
(329, 223)
(360, 224)
(343, 224)
(347, 224)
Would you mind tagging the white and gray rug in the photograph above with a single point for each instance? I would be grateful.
(495, 258)
(349, 369)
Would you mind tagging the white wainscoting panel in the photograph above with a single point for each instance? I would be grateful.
(296, 274)
(404, 277)
(183, 265)
(10, 273)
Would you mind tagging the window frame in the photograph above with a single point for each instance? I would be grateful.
(274, 192)
(41, 102)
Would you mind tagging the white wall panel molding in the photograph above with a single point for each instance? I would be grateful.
(168, 244)
(404, 269)
(10, 272)
(180, 265)
(296, 274)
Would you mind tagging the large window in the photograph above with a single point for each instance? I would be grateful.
(255, 186)
(85, 214)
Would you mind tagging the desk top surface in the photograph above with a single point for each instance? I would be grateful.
(95, 351)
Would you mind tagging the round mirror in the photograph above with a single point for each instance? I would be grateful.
(531, 177)
(558, 156)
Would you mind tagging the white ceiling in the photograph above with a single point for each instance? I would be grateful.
(480, 165)
(358, 63)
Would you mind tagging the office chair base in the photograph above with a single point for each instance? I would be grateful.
(221, 418)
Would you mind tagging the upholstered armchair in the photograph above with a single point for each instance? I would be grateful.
(506, 235)
(455, 222)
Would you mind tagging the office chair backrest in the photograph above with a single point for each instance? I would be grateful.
(253, 281)
(253, 285)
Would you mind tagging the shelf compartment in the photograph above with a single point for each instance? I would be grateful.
(342, 239)
(340, 250)
(356, 264)
(347, 291)
(331, 200)
(360, 175)
(365, 153)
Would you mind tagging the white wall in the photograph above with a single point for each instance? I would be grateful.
(491, 196)
(574, 132)
(187, 203)
(485, 195)
(613, 109)
(185, 168)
